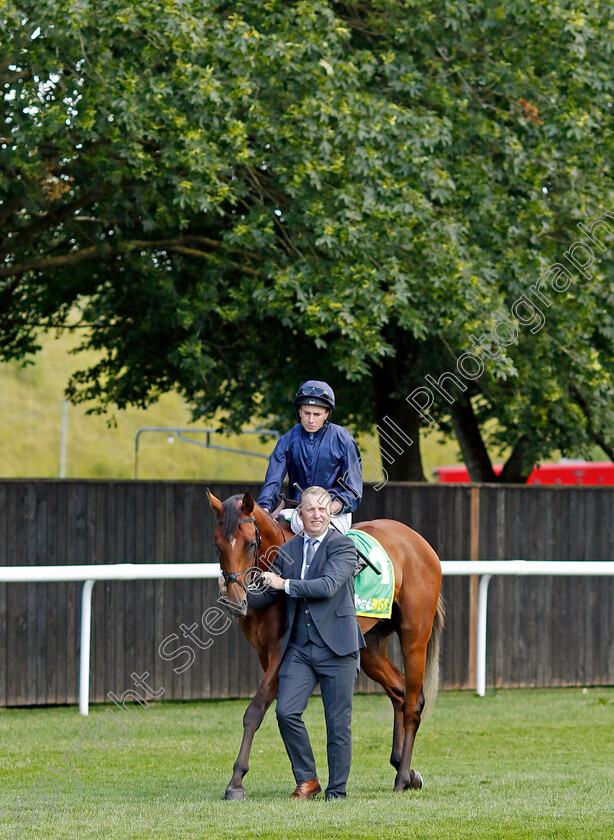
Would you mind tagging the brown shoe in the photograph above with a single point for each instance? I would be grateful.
(307, 789)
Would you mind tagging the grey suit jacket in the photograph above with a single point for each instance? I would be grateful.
(328, 588)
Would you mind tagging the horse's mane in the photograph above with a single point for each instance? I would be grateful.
(232, 514)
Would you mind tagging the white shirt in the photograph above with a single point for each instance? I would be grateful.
(316, 541)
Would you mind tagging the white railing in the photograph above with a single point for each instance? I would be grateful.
(89, 575)
(485, 569)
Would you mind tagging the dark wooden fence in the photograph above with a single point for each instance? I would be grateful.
(541, 631)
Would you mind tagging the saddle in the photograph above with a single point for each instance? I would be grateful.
(282, 503)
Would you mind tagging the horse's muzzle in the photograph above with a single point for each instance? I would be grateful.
(235, 610)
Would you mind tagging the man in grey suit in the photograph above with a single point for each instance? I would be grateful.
(321, 644)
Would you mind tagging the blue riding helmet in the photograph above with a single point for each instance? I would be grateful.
(314, 392)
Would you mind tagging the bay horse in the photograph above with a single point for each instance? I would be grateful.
(247, 539)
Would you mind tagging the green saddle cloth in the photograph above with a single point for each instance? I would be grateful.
(373, 593)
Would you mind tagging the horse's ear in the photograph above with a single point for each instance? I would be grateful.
(248, 503)
(214, 503)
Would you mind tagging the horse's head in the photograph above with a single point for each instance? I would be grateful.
(238, 540)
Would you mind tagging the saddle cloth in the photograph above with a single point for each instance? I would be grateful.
(373, 593)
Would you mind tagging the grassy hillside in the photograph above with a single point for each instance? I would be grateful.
(32, 399)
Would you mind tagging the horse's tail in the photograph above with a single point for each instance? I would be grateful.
(431, 671)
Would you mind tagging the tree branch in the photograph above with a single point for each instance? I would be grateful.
(49, 263)
(193, 252)
(181, 245)
(44, 222)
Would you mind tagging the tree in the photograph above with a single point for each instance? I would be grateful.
(233, 195)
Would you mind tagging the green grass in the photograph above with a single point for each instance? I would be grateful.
(515, 764)
(32, 423)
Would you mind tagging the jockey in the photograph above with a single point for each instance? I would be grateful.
(315, 452)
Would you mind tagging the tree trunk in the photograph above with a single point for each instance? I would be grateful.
(397, 424)
(590, 427)
(518, 466)
(469, 437)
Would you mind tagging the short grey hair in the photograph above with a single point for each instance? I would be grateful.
(321, 492)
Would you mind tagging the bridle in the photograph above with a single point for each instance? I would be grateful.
(233, 577)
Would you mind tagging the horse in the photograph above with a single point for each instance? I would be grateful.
(247, 539)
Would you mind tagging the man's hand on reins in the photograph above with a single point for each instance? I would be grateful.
(272, 580)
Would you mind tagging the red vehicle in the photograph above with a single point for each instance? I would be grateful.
(567, 471)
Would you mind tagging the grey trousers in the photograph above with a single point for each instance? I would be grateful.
(301, 670)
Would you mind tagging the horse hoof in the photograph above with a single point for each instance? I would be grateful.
(414, 782)
(416, 779)
(234, 793)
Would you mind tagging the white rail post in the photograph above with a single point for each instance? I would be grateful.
(86, 641)
(480, 659)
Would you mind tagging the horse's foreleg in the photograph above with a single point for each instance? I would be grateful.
(253, 717)
(414, 659)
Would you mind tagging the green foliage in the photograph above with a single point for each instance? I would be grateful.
(237, 196)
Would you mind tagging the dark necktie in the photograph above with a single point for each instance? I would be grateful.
(311, 550)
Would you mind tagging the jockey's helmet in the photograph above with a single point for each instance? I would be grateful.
(314, 392)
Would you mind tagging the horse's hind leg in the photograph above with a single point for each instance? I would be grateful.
(253, 717)
(376, 664)
(414, 661)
